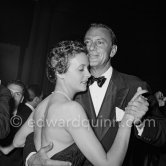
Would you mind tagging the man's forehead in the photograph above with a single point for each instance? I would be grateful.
(97, 32)
(15, 88)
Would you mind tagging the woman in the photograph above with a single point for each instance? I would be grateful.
(62, 121)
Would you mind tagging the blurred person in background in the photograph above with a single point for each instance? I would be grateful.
(5, 97)
(160, 98)
(17, 89)
(15, 158)
(33, 97)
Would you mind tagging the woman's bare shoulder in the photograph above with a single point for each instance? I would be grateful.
(73, 108)
(40, 109)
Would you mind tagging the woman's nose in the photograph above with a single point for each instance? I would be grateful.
(88, 74)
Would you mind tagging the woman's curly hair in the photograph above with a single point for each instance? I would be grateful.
(58, 58)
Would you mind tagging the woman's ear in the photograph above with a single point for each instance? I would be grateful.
(61, 76)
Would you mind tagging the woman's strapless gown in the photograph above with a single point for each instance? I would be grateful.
(71, 154)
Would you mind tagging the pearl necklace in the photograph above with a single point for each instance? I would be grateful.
(64, 94)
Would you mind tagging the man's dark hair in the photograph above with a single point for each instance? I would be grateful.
(19, 83)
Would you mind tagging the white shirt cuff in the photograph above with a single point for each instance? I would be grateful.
(26, 162)
(140, 130)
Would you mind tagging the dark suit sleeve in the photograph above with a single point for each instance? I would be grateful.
(29, 146)
(24, 112)
(4, 111)
(155, 125)
(154, 132)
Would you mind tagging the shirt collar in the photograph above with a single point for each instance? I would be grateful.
(30, 106)
(108, 73)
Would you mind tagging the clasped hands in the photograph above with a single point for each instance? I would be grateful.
(138, 106)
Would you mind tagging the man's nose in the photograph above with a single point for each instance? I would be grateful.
(92, 46)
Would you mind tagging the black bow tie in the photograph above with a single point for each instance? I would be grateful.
(100, 80)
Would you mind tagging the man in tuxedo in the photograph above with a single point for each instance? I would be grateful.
(108, 93)
(5, 97)
(17, 90)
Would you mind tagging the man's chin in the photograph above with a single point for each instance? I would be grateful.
(93, 63)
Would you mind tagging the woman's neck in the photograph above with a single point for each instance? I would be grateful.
(64, 91)
(63, 94)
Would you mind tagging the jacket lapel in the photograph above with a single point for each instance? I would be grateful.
(115, 95)
(86, 101)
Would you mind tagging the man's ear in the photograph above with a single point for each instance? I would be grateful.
(22, 99)
(113, 50)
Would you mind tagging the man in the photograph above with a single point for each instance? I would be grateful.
(109, 95)
(161, 152)
(4, 111)
(17, 89)
(33, 98)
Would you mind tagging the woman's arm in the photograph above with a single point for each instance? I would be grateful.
(88, 143)
(23, 132)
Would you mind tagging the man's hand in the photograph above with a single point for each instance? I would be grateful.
(138, 106)
(41, 158)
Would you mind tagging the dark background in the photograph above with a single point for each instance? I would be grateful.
(29, 28)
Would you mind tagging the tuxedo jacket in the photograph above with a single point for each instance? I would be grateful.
(24, 111)
(5, 96)
(121, 89)
(15, 157)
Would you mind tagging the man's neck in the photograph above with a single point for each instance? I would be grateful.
(97, 71)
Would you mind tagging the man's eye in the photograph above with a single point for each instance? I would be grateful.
(99, 42)
(81, 69)
(18, 94)
(86, 42)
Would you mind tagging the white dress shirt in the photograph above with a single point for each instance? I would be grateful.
(30, 106)
(98, 93)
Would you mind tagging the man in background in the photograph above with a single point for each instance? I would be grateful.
(5, 97)
(17, 90)
(33, 98)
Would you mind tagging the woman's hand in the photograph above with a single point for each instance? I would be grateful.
(138, 106)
